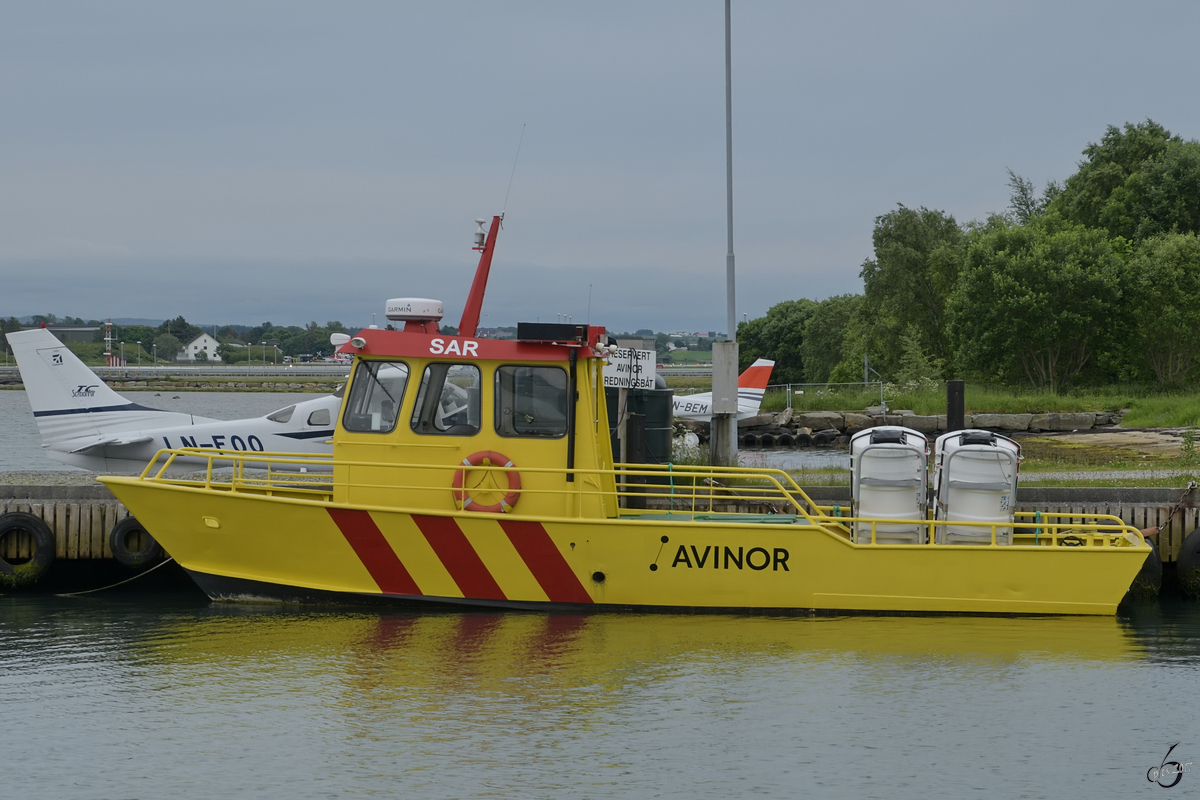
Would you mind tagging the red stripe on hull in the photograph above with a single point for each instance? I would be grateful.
(459, 557)
(374, 551)
(545, 562)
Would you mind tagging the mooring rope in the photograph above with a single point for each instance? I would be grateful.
(118, 583)
(1178, 507)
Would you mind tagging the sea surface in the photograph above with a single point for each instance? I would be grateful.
(131, 693)
(126, 695)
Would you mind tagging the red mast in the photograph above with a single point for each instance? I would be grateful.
(470, 317)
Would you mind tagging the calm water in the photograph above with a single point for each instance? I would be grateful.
(127, 696)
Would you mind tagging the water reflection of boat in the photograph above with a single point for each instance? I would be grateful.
(509, 497)
(604, 648)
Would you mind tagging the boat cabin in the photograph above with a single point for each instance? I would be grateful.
(422, 408)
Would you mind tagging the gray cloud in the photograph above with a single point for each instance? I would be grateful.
(297, 161)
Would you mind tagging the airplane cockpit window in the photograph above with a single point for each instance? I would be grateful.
(319, 417)
(448, 401)
(375, 396)
(282, 415)
(531, 401)
(340, 391)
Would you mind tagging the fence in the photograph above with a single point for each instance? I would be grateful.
(782, 396)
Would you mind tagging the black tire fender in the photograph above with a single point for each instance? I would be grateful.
(14, 574)
(1187, 565)
(1148, 582)
(119, 542)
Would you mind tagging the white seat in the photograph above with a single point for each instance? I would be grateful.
(975, 480)
(887, 474)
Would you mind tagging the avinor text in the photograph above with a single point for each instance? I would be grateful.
(757, 558)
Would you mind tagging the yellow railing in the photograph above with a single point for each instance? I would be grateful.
(689, 490)
(681, 493)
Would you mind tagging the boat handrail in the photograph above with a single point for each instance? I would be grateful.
(692, 495)
(696, 489)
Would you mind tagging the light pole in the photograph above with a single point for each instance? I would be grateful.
(139, 344)
(723, 437)
(155, 346)
(122, 355)
(264, 347)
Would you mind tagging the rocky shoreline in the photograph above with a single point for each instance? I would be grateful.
(791, 427)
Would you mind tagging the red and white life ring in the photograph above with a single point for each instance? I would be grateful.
(494, 459)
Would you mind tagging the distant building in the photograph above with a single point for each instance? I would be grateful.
(636, 342)
(201, 344)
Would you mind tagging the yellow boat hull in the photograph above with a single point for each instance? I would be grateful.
(259, 546)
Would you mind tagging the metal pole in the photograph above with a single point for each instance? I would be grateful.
(723, 428)
(731, 316)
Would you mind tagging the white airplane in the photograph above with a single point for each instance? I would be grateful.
(752, 385)
(86, 424)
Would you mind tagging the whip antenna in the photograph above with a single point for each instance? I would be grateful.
(514, 171)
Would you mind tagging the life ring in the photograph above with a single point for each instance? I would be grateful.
(495, 459)
(24, 572)
(118, 542)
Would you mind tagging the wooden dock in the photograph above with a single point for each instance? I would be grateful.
(81, 518)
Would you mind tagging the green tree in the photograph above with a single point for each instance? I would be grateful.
(168, 346)
(1164, 301)
(777, 336)
(1170, 191)
(916, 365)
(1108, 189)
(1023, 202)
(1038, 301)
(825, 333)
(231, 354)
(129, 334)
(181, 329)
(7, 326)
(918, 255)
(660, 345)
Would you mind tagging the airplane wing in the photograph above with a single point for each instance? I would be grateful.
(114, 441)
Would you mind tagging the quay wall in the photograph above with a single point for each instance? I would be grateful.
(850, 422)
(81, 518)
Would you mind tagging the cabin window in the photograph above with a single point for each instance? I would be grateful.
(448, 401)
(282, 415)
(531, 401)
(319, 417)
(375, 395)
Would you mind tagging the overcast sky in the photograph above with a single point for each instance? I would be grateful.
(295, 161)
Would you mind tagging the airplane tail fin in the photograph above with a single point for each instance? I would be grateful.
(752, 385)
(68, 399)
(757, 375)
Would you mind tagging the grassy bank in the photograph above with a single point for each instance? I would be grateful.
(1147, 407)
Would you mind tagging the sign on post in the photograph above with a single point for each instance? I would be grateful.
(630, 369)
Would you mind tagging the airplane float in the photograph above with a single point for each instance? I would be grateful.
(86, 424)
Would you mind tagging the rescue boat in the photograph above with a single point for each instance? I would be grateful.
(475, 472)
